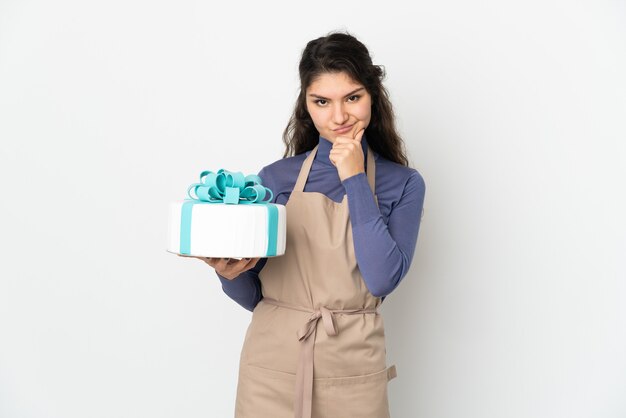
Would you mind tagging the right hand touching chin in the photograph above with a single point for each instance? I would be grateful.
(227, 267)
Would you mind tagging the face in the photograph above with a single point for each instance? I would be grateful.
(335, 103)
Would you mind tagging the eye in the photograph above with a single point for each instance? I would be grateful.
(320, 102)
(353, 98)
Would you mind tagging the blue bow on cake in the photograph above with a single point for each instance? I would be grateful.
(228, 187)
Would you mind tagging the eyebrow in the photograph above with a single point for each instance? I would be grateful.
(347, 95)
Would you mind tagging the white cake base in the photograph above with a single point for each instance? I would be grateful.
(221, 230)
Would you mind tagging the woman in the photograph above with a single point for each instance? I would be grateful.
(315, 346)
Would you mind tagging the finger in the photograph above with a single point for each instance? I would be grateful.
(355, 129)
(243, 264)
(359, 129)
(343, 140)
(212, 261)
(344, 149)
(251, 263)
(234, 261)
(359, 135)
(235, 267)
(222, 263)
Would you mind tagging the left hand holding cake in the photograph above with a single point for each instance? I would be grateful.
(229, 268)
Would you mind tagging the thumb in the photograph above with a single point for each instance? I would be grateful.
(359, 131)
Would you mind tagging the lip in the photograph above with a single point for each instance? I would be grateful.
(343, 129)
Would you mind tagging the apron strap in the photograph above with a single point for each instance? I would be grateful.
(304, 171)
(306, 335)
(308, 162)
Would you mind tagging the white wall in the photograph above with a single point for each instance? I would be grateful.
(512, 111)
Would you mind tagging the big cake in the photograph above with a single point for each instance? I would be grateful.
(227, 215)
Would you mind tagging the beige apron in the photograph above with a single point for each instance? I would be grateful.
(288, 367)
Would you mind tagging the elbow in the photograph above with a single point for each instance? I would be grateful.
(384, 284)
(383, 287)
(380, 293)
(250, 301)
(250, 305)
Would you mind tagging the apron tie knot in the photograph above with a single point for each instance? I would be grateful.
(311, 325)
(306, 335)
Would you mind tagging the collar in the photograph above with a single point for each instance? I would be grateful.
(323, 150)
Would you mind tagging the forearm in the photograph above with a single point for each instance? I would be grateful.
(381, 262)
(384, 251)
(244, 289)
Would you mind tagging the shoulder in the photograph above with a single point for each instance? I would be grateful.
(278, 169)
(280, 176)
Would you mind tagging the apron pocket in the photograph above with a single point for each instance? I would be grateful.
(363, 396)
(264, 393)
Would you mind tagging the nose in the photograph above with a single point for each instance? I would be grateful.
(340, 115)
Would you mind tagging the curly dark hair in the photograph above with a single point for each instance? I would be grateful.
(342, 52)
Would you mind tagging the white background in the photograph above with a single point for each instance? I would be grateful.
(514, 113)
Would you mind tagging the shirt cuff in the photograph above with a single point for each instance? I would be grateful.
(361, 201)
